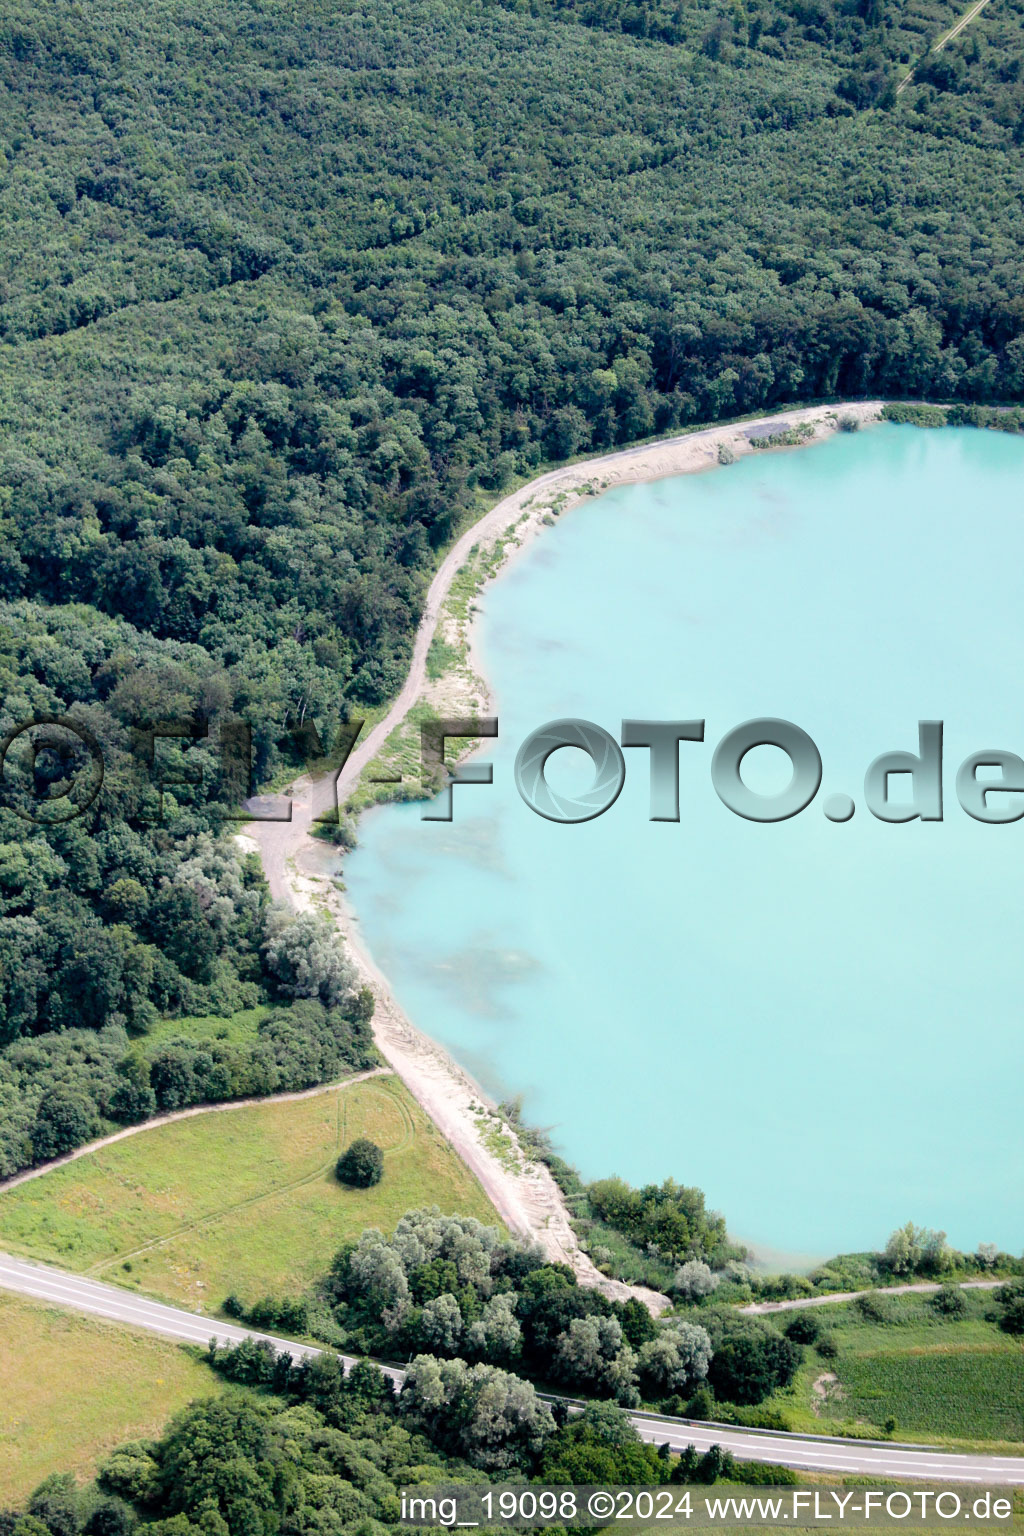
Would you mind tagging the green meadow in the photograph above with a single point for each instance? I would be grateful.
(237, 1200)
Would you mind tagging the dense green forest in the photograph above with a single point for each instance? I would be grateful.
(288, 292)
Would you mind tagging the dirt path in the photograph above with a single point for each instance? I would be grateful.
(921, 1286)
(186, 1114)
(948, 37)
(273, 1191)
(573, 482)
(522, 1190)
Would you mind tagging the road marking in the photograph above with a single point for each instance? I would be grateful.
(108, 1301)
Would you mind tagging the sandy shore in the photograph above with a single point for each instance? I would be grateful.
(298, 866)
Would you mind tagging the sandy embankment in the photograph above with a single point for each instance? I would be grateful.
(521, 1190)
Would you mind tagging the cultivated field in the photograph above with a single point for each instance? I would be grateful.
(239, 1200)
(957, 1381)
(959, 1391)
(73, 1387)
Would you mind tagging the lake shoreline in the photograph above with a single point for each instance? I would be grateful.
(299, 866)
(663, 459)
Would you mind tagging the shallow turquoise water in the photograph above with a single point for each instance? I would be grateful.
(818, 1023)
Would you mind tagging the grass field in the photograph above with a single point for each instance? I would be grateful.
(240, 1028)
(72, 1388)
(240, 1200)
(953, 1381)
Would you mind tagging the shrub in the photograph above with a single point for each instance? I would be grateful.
(715, 1463)
(803, 1327)
(62, 1123)
(361, 1165)
(268, 1312)
(702, 1404)
(694, 1280)
(874, 1309)
(111, 1517)
(750, 1360)
(131, 1102)
(685, 1467)
(677, 1358)
(593, 1355)
(55, 1503)
(949, 1301)
(763, 1474)
(1010, 1299)
(784, 1287)
(133, 1472)
(600, 1445)
(827, 1347)
(914, 415)
(694, 1468)
(638, 1326)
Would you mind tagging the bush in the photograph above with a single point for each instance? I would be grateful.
(668, 1219)
(763, 1474)
(751, 1360)
(715, 1463)
(827, 1347)
(361, 1165)
(111, 1517)
(908, 414)
(600, 1445)
(131, 1102)
(694, 1280)
(949, 1301)
(784, 1287)
(803, 1327)
(132, 1472)
(694, 1468)
(874, 1309)
(702, 1404)
(55, 1503)
(306, 958)
(1010, 1299)
(62, 1123)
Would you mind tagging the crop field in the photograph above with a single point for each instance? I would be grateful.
(958, 1381)
(125, 1387)
(237, 1200)
(959, 1391)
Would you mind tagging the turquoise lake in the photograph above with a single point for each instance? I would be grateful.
(819, 1024)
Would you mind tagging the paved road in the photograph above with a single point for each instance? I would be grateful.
(877, 1459)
